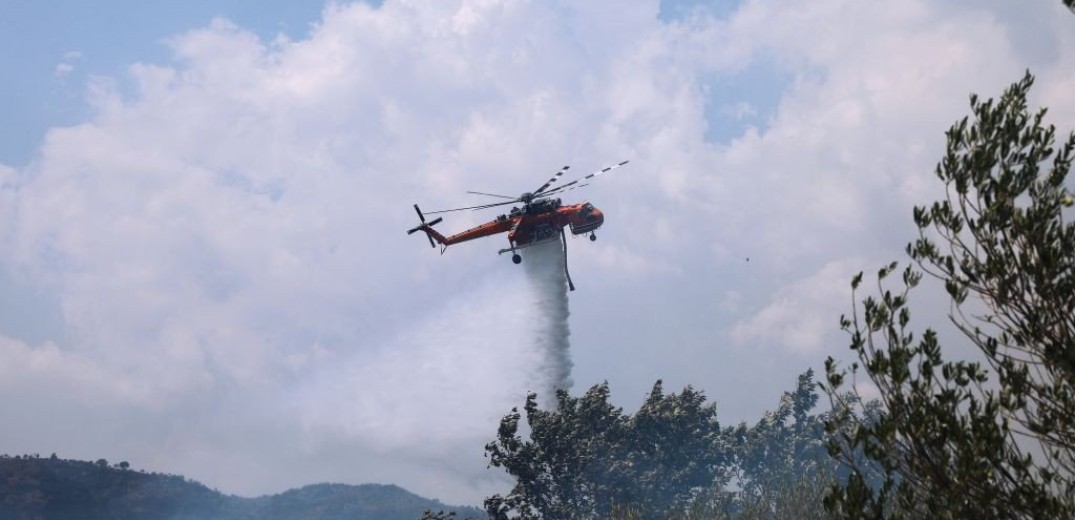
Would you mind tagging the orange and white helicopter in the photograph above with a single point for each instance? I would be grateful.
(541, 218)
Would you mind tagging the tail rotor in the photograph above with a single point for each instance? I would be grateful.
(424, 225)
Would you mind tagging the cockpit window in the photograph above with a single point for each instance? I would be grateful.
(587, 208)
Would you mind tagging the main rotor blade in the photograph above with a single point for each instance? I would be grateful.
(561, 188)
(548, 183)
(560, 191)
(471, 207)
(493, 195)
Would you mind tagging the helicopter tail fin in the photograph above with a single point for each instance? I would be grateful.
(427, 227)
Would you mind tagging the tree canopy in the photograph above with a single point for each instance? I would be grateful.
(586, 457)
(992, 437)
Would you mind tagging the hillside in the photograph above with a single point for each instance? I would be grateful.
(33, 488)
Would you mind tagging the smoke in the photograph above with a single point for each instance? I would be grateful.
(548, 283)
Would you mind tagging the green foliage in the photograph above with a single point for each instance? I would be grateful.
(785, 444)
(440, 515)
(782, 462)
(967, 439)
(54, 488)
(670, 460)
(587, 457)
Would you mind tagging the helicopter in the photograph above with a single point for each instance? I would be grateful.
(541, 218)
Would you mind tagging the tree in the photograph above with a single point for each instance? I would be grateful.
(439, 515)
(586, 458)
(670, 460)
(993, 438)
(785, 444)
(782, 464)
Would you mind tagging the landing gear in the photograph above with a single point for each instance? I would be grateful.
(593, 237)
(516, 258)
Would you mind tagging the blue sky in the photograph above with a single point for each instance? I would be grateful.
(203, 264)
(103, 38)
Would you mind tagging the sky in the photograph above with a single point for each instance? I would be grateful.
(203, 264)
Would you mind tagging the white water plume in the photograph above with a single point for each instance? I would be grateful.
(551, 332)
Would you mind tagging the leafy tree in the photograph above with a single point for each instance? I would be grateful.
(587, 458)
(671, 460)
(992, 438)
(782, 463)
(785, 444)
(440, 515)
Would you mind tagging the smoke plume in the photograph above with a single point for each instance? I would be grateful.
(545, 273)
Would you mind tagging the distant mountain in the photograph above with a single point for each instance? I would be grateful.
(34, 488)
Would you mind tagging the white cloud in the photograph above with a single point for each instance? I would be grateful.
(26, 370)
(739, 110)
(62, 69)
(8, 194)
(224, 235)
(802, 316)
(65, 67)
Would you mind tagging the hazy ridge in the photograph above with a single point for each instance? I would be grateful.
(37, 488)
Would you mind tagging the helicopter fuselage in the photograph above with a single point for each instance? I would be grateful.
(541, 218)
(535, 222)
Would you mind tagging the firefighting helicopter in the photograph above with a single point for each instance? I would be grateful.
(541, 218)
